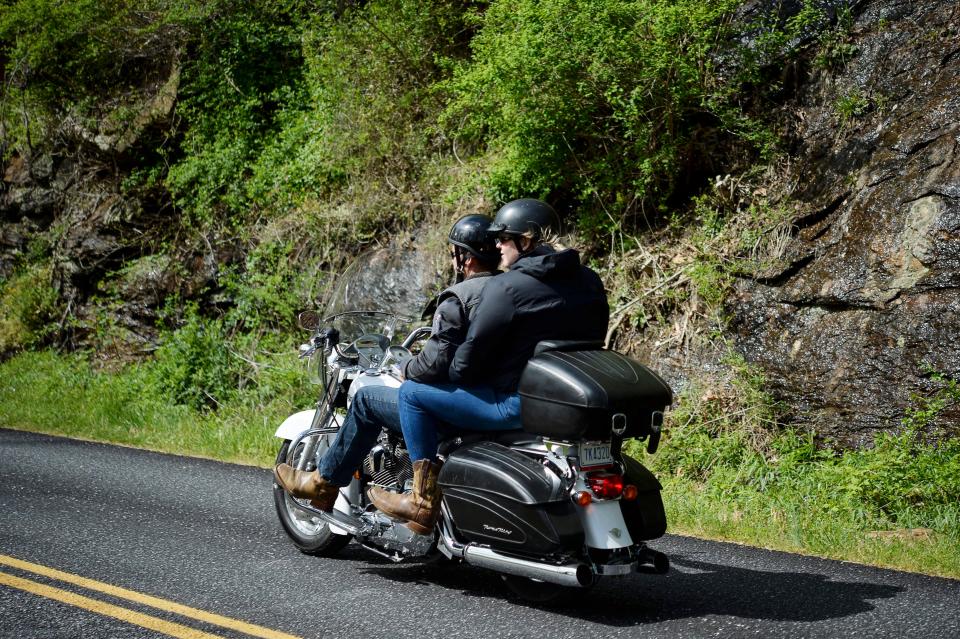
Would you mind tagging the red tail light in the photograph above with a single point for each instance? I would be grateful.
(605, 485)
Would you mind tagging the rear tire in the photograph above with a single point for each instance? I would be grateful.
(311, 535)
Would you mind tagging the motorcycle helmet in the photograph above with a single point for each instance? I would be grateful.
(471, 233)
(534, 218)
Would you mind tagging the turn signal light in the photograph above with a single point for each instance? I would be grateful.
(582, 498)
(605, 485)
(630, 492)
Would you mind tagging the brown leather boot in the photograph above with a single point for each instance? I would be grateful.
(420, 507)
(299, 483)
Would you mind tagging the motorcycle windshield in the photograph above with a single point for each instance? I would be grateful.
(354, 324)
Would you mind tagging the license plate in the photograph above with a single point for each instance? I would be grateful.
(595, 454)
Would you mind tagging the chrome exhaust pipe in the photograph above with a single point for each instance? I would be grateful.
(571, 575)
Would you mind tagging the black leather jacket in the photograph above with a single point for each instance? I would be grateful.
(545, 295)
(455, 308)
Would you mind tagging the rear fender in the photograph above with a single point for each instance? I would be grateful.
(604, 526)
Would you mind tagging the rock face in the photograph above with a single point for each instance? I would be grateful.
(868, 305)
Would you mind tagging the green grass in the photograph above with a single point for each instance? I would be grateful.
(792, 521)
(48, 393)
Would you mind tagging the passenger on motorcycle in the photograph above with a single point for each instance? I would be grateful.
(474, 255)
(545, 295)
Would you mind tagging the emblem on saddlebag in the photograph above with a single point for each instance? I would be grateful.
(502, 531)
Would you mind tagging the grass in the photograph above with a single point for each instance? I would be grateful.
(789, 522)
(894, 505)
(48, 393)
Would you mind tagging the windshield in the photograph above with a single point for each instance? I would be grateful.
(353, 324)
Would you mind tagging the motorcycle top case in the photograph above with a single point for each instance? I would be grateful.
(497, 496)
(582, 394)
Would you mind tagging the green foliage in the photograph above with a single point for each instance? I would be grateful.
(599, 98)
(194, 366)
(852, 106)
(247, 69)
(28, 306)
(78, 60)
(38, 388)
(835, 47)
(265, 290)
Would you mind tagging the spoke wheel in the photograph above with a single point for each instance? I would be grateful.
(310, 534)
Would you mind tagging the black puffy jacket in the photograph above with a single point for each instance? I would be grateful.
(546, 295)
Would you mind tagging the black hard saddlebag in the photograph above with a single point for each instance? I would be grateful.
(497, 496)
(644, 516)
(571, 395)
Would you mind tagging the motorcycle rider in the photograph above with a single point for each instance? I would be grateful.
(474, 255)
(545, 295)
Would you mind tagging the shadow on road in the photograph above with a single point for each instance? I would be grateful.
(700, 589)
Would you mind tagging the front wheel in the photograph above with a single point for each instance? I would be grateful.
(310, 534)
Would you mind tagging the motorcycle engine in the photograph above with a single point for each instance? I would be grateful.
(388, 463)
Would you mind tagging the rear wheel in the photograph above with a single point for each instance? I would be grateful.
(310, 534)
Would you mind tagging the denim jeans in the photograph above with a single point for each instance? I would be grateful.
(448, 409)
(373, 407)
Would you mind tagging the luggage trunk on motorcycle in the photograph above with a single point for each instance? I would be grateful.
(577, 395)
(497, 496)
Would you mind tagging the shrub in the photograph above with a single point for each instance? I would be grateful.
(194, 366)
(598, 98)
(28, 306)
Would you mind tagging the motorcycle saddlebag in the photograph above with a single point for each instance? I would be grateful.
(575, 395)
(644, 516)
(497, 496)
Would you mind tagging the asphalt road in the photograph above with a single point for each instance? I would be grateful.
(204, 534)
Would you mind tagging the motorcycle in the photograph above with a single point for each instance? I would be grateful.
(553, 507)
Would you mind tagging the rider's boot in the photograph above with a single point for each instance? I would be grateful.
(420, 507)
(307, 485)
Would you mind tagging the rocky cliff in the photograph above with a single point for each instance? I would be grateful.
(868, 306)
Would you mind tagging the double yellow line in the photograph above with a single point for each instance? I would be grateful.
(117, 612)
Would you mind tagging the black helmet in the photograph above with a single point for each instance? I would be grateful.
(526, 216)
(471, 233)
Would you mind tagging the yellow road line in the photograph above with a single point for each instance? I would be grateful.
(154, 602)
(109, 610)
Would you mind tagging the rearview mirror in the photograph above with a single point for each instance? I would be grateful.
(308, 320)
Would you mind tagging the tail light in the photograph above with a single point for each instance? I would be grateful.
(605, 485)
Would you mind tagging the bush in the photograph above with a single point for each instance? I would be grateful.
(28, 306)
(194, 366)
(596, 98)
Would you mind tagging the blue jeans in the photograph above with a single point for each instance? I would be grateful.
(426, 409)
(373, 407)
